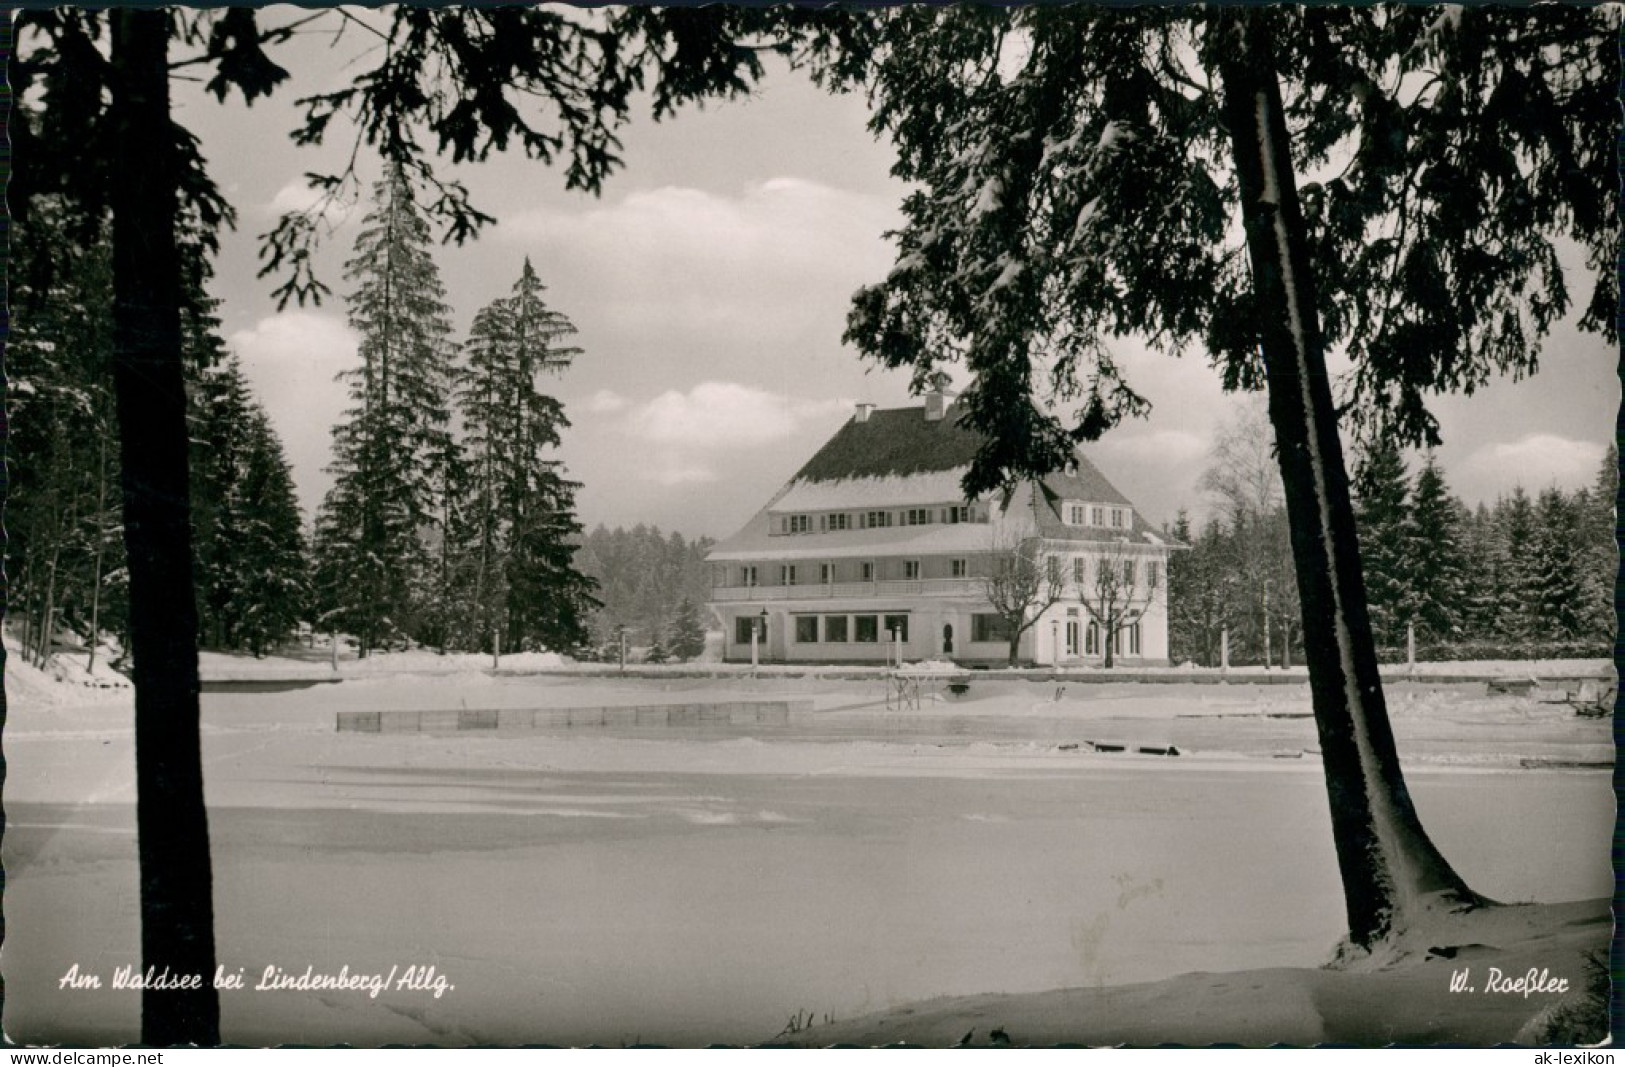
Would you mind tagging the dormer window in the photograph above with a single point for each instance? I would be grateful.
(1097, 516)
(1075, 515)
(1119, 518)
(798, 524)
(876, 519)
(839, 521)
(917, 517)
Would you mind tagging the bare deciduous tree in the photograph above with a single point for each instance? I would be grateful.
(1117, 592)
(1022, 581)
(1244, 478)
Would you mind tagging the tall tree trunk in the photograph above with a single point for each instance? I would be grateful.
(1389, 868)
(101, 543)
(177, 915)
(48, 607)
(27, 586)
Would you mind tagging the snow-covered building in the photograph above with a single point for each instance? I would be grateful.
(872, 546)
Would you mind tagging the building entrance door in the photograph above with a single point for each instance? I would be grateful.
(948, 639)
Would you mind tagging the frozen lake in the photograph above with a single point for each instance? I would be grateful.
(688, 886)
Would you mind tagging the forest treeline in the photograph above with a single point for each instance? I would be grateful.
(1527, 577)
(450, 523)
(653, 584)
(65, 553)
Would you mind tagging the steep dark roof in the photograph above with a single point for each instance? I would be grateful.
(1084, 482)
(892, 442)
(900, 441)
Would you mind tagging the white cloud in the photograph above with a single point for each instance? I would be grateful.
(772, 260)
(1157, 447)
(720, 415)
(780, 222)
(292, 359)
(676, 474)
(604, 402)
(1533, 461)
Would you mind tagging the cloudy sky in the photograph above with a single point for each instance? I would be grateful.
(710, 285)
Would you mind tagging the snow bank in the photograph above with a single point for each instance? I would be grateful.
(317, 663)
(65, 680)
(1494, 948)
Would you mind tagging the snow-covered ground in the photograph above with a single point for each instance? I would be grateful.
(708, 883)
(315, 662)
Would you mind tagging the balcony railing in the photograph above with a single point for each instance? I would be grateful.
(943, 587)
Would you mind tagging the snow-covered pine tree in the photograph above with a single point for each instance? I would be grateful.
(372, 555)
(1558, 567)
(1438, 582)
(523, 530)
(275, 590)
(62, 487)
(686, 637)
(1602, 548)
(1517, 617)
(1382, 515)
(453, 583)
(1481, 551)
(251, 572)
(220, 404)
(1184, 593)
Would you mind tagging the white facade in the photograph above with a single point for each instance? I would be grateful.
(867, 568)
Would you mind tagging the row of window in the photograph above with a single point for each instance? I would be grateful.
(872, 629)
(874, 520)
(793, 573)
(1125, 642)
(1129, 570)
(841, 629)
(1098, 515)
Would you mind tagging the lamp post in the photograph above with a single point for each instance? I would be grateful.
(620, 634)
(1267, 624)
(1055, 643)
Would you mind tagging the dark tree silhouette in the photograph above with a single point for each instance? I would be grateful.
(1079, 174)
(93, 126)
(177, 912)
